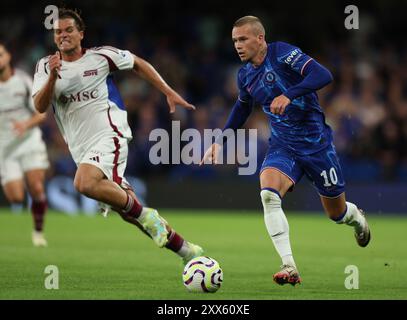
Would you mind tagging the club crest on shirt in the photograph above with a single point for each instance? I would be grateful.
(269, 77)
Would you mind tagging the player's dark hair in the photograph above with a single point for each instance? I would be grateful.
(4, 43)
(64, 13)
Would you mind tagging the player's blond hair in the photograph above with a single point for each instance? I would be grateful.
(255, 23)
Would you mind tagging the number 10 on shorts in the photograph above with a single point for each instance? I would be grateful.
(330, 180)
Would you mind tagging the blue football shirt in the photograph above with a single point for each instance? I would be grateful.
(302, 127)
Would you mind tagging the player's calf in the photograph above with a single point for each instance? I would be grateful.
(38, 210)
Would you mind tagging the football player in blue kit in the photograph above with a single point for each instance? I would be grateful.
(284, 80)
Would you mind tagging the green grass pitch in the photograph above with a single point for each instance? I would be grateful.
(100, 258)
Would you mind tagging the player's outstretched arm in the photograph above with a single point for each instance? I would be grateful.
(147, 71)
(42, 99)
(316, 77)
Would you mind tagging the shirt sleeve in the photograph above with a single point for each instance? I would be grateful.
(238, 116)
(292, 56)
(316, 76)
(118, 59)
(244, 95)
(40, 76)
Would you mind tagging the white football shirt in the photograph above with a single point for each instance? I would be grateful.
(16, 105)
(86, 103)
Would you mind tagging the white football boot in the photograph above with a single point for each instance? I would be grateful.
(38, 239)
(194, 251)
(362, 235)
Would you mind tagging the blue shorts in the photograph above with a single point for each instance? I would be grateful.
(322, 168)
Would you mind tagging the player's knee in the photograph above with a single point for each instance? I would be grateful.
(36, 190)
(85, 186)
(15, 198)
(270, 198)
(84, 189)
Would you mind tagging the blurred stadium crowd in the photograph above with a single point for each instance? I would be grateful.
(366, 105)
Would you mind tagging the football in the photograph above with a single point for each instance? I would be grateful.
(202, 274)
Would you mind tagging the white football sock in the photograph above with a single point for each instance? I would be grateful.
(289, 260)
(277, 225)
(16, 207)
(143, 213)
(185, 249)
(353, 217)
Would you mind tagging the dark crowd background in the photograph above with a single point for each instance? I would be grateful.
(189, 43)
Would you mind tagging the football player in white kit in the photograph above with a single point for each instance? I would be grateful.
(23, 155)
(77, 84)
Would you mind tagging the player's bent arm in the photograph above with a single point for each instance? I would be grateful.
(43, 98)
(316, 77)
